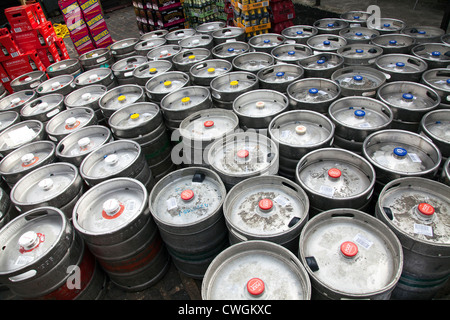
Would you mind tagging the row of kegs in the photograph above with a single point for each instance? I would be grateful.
(284, 166)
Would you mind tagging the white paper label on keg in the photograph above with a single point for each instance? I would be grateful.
(231, 40)
(364, 125)
(423, 229)
(101, 59)
(21, 135)
(171, 203)
(23, 260)
(130, 205)
(285, 134)
(128, 74)
(282, 201)
(326, 190)
(362, 241)
(414, 157)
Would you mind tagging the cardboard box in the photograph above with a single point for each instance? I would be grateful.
(168, 18)
(162, 5)
(40, 37)
(24, 63)
(8, 47)
(103, 39)
(90, 8)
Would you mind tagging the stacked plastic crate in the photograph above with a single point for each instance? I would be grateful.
(159, 14)
(282, 14)
(251, 15)
(203, 11)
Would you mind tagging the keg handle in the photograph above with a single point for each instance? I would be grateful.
(24, 276)
(312, 263)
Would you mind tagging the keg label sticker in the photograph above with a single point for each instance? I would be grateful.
(362, 241)
(327, 190)
(21, 135)
(364, 125)
(423, 229)
(129, 205)
(285, 134)
(282, 201)
(23, 260)
(128, 74)
(414, 157)
(171, 203)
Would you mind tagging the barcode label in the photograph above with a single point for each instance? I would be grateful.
(423, 229)
(130, 204)
(282, 201)
(414, 157)
(364, 125)
(17, 29)
(171, 203)
(326, 190)
(265, 3)
(14, 54)
(363, 241)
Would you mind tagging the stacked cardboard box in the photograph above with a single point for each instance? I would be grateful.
(282, 14)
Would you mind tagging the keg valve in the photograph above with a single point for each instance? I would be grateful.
(255, 287)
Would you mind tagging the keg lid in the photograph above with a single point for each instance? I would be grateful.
(234, 82)
(424, 32)
(438, 79)
(93, 76)
(195, 41)
(181, 34)
(191, 56)
(326, 42)
(123, 46)
(358, 34)
(154, 35)
(17, 100)
(436, 125)
(388, 25)
(210, 69)
(313, 90)
(85, 97)
(359, 78)
(291, 52)
(283, 73)
(253, 61)
(141, 114)
(152, 68)
(164, 52)
(251, 270)
(299, 32)
(187, 197)
(326, 60)
(267, 40)
(121, 96)
(408, 95)
(186, 98)
(417, 207)
(354, 254)
(43, 105)
(401, 63)
(228, 33)
(19, 134)
(55, 84)
(327, 25)
(126, 66)
(8, 118)
(167, 82)
(260, 103)
(360, 51)
(69, 65)
(230, 49)
(148, 43)
(210, 27)
(29, 80)
(69, 121)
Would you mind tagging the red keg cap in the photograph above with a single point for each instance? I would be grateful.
(265, 204)
(426, 209)
(255, 286)
(243, 153)
(349, 249)
(187, 194)
(334, 173)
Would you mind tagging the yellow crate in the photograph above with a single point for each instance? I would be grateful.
(253, 28)
(251, 6)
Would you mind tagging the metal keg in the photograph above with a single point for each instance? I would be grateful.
(120, 97)
(349, 254)
(43, 108)
(123, 48)
(154, 35)
(401, 67)
(8, 118)
(97, 76)
(3, 91)
(210, 27)
(20, 134)
(358, 35)
(179, 104)
(187, 208)
(159, 86)
(229, 50)
(8, 211)
(438, 80)
(123, 69)
(16, 100)
(436, 126)
(142, 48)
(96, 58)
(359, 80)
(291, 53)
(356, 18)
(25, 159)
(330, 25)
(174, 37)
(43, 256)
(28, 81)
(120, 158)
(114, 220)
(270, 208)
(326, 43)
(299, 33)
(399, 153)
(202, 73)
(67, 66)
(197, 41)
(355, 118)
(336, 178)
(228, 34)
(314, 94)
(87, 97)
(227, 87)
(256, 270)
(243, 155)
(184, 60)
(199, 130)
(256, 109)
(436, 55)
(77, 145)
(321, 65)
(69, 121)
(165, 52)
(360, 54)
(279, 76)
(56, 185)
(63, 84)
(252, 61)
(424, 34)
(266, 42)
(445, 175)
(297, 133)
(150, 69)
(394, 43)
(387, 26)
(416, 210)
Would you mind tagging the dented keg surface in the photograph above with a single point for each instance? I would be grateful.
(143, 47)
(60, 84)
(164, 52)
(401, 67)
(266, 42)
(229, 33)
(350, 255)
(56, 185)
(77, 145)
(87, 97)
(16, 100)
(123, 69)
(270, 208)
(387, 26)
(197, 41)
(445, 175)
(28, 81)
(321, 65)
(202, 73)
(123, 48)
(20, 134)
(96, 58)
(330, 25)
(68, 121)
(120, 97)
(416, 210)
(279, 76)
(174, 37)
(229, 50)
(315, 94)
(436, 55)
(97, 76)
(26, 159)
(395, 43)
(187, 205)
(8, 118)
(114, 220)
(297, 133)
(243, 155)
(360, 54)
(41, 252)
(326, 43)
(299, 33)
(184, 60)
(439, 81)
(210, 27)
(359, 80)
(436, 126)
(252, 61)
(399, 153)
(154, 35)
(68, 66)
(257, 108)
(291, 53)
(148, 70)
(358, 35)
(356, 18)
(159, 86)
(43, 108)
(336, 178)
(424, 34)
(256, 270)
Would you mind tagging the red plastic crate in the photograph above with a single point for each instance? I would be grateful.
(25, 17)
(8, 47)
(61, 48)
(24, 63)
(48, 55)
(5, 79)
(282, 11)
(40, 37)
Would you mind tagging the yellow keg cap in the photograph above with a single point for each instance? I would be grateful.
(121, 98)
(210, 70)
(191, 57)
(234, 83)
(134, 116)
(185, 99)
(167, 83)
(152, 70)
